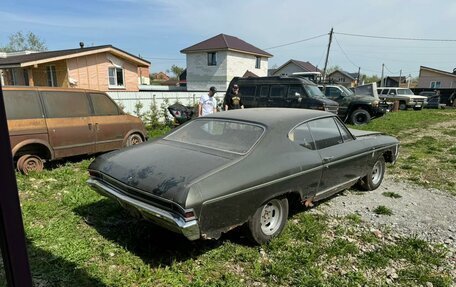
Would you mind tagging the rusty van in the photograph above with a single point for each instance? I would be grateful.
(53, 123)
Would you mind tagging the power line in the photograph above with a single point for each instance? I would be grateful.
(390, 70)
(396, 38)
(295, 42)
(345, 54)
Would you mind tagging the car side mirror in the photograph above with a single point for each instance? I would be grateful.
(297, 94)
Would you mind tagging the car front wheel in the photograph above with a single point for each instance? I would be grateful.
(374, 177)
(269, 220)
(360, 117)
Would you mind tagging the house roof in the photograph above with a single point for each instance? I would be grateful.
(249, 74)
(437, 71)
(51, 56)
(226, 42)
(352, 76)
(305, 66)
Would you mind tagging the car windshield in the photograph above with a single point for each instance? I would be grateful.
(347, 91)
(313, 91)
(404, 92)
(226, 135)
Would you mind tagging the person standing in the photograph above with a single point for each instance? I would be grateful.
(207, 103)
(233, 99)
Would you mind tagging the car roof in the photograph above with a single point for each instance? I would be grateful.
(271, 116)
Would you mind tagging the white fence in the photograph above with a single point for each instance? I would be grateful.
(131, 101)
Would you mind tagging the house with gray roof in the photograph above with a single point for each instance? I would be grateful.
(343, 78)
(294, 66)
(217, 60)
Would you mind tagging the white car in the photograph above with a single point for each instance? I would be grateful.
(407, 99)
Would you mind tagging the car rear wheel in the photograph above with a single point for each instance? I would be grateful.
(28, 163)
(269, 220)
(402, 106)
(374, 177)
(360, 117)
(134, 139)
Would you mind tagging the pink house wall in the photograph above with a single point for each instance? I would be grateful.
(91, 72)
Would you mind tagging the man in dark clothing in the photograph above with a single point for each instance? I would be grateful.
(233, 99)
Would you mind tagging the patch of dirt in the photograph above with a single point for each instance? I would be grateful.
(430, 214)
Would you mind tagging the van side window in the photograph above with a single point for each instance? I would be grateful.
(301, 135)
(65, 104)
(103, 105)
(325, 132)
(295, 91)
(264, 91)
(278, 91)
(22, 105)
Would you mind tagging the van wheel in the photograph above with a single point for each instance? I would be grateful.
(360, 117)
(269, 220)
(28, 163)
(134, 139)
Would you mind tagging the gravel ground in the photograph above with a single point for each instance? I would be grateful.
(429, 214)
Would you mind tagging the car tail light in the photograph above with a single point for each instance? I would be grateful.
(189, 215)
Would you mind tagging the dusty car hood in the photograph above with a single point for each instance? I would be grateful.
(360, 133)
(161, 168)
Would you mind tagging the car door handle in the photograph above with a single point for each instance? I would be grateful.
(328, 159)
(90, 127)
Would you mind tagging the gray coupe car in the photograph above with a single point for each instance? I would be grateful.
(241, 167)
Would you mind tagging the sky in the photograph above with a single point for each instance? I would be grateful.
(158, 29)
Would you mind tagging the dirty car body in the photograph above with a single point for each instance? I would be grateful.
(220, 171)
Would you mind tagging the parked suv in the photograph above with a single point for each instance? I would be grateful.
(407, 99)
(51, 123)
(355, 109)
(282, 91)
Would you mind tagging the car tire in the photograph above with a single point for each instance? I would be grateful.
(374, 177)
(134, 139)
(269, 220)
(418, 109)
(28, 163)
(360, 117)
(402, 106)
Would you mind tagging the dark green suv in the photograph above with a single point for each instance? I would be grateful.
(354, 109)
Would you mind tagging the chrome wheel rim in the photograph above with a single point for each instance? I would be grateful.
(377, 172)
(271, 217)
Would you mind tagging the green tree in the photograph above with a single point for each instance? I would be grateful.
(19, 42)
(176, 70)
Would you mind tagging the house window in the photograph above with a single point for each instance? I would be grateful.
(258, 62)
(116, 77)
(13, 77)
(212, 59)
(435, 85)
(51, 76)
(26, 77)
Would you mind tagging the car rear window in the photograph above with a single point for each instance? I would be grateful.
(231, 136)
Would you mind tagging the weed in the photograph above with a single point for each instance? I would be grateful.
(383, 210)
(391, 194)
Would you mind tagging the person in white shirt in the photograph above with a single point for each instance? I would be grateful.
(207, 103)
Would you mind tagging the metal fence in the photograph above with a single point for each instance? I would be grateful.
(141, 102)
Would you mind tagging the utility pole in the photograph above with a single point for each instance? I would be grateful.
(400, 76)
(327, 54)
(381, 79)
(357, 80)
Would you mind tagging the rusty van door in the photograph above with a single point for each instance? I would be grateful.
(110, 124)
(70, 127)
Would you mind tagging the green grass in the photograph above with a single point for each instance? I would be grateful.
(383, 210)
(391, 194)
(428, 146)
(76, 237)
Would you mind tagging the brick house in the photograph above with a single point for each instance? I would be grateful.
(104, 68)
(216, 61)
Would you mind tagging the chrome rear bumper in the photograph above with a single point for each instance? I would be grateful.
(167, 219)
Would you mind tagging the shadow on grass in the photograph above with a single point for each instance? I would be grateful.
(156, 246)
(49, 270)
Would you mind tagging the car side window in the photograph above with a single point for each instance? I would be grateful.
(278, 91)
(325, 132)
(103, 105)
(295, 91)
(332, 92)
(65, 104)
(301, 135)
(385, 91)
(22, 105)
(392, 92)
(264, 91)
